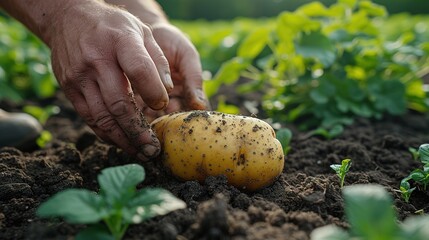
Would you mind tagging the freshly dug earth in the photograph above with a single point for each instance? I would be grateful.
(306, 196)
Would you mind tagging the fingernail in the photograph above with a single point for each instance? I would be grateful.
(160, 105)
(150, 151)
(168, 81)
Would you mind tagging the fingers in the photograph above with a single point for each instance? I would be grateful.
(101, 120)
(143, 72)
(80, 104)
(120, 106)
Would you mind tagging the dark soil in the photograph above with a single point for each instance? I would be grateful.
(306, 196)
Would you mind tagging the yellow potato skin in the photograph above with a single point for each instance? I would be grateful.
(199, 144)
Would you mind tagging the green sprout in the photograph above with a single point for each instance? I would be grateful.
(342, 169)
(406, 190)
(419, 176)
(118, 204)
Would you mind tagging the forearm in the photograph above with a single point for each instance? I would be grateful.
(149, 11)
(39, 16)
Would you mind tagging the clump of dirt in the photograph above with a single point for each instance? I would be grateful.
(306, 195)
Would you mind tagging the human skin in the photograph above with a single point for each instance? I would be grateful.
(117, 71)
(183, 58)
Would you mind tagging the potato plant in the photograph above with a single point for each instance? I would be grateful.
(198, 144)
(418, 177)
(117, 205)
(324, 66)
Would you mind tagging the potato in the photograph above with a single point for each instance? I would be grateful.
(199, 144)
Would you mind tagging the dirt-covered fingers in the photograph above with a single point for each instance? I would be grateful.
(102, 121)
(121, 104)
(114, 135)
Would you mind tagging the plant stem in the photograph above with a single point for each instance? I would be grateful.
(115, 226)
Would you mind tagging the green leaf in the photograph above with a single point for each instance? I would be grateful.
(423, 153)
(284, 136)
(313, 9)
(226, 108)
(211, 87)
(369, 209)
(119, 183)
(151, 202)
(253, 44)
(388, 95)
(345, 165)
(230, 71)
(44, 138)
(324, 92)
(418, 175)
(74, 205)
(290, 24)
(350, 3)
(316, 46)
(41, 113)
(8, 92)
(372, 9)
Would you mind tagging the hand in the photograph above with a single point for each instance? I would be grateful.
(102, 56)
(185, 67)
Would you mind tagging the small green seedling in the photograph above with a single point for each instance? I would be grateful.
(369, 210)
(284, 135)
(118, 203)
(419, 176)
(405, 189)
(342, 170)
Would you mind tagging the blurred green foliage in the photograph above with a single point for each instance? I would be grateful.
(218, 41)
(227, 9)
(324, 66)
(25, 70)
